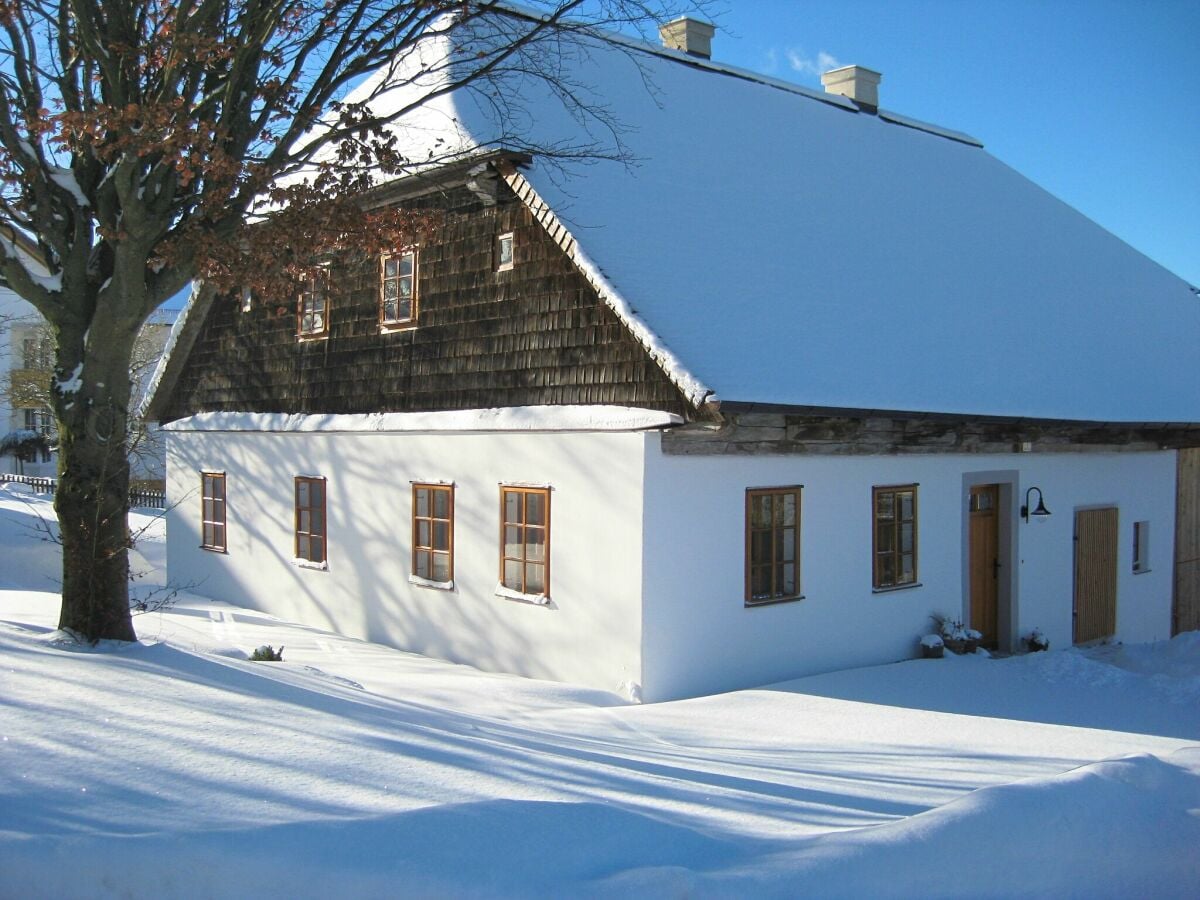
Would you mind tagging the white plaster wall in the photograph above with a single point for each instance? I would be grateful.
(699, 637)
(590, 633)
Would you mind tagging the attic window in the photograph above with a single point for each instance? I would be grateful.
(504, 252)
(312, 309)
(398, 289)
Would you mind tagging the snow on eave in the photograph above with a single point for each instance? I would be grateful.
(696, 392)
(156, 378)
(511, 419)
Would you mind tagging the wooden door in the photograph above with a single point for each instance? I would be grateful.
(1095, 574)
(1187, 543)
(984, 540)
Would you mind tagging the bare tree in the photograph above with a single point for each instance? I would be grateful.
(136, 137)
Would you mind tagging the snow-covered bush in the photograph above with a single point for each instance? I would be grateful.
(267, 653)
(1036, 641)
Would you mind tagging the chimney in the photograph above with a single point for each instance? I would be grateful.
(691, 36)
(859, 84)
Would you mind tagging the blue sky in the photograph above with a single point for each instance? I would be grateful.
(1096, 101)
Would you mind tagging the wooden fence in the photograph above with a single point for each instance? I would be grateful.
(139, 498)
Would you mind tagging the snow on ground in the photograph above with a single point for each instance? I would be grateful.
(177, 767)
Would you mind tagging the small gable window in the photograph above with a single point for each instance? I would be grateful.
(313, 307)
(504, 252)
(894, 515)
(398, 289)
(310, 519)
(212, 514)
(772, 544)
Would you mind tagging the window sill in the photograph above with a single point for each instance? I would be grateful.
(393, 327)
(896, 587)
(430, 583)
(774, 601)
(510, 594)
(1141, 571)
(310, 564)
(214, 549)
(309, 338)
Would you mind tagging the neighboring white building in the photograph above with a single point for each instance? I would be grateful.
(807, 374)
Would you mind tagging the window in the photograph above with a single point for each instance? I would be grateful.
(310, 519)
(212, 515)
(433, 532)
(37, 352)
(772, 544)
(398, 289)
(525, 540)
(504, 252)
(313, 307)
(1141, 546)
(39, 420)
(895, 539)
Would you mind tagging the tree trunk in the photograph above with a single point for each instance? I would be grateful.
(92, 500)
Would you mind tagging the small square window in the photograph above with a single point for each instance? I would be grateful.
(504, 252)
(433, 532)
(212, 512)
(894, 539)
(772, 544)
(310, 519)
(398, 289)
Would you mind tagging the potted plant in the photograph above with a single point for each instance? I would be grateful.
(1036, 641)
(932, 646)
(955, 635)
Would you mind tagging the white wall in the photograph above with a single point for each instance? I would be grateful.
(700, 638)
(591, 632)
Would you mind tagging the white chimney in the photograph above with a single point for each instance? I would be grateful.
(689, 35)
(859, 84)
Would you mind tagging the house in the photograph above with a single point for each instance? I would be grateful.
(753, 407)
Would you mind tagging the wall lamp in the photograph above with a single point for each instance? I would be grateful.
(1040, 512)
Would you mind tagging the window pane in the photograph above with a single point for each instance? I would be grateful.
(908, 569)
(441, 567)
(535, 544)
(535, 509)
(209, 536)
(302, 494)
(318, 493)
(512, 506)
(789, 509)
(785, 544)
(391, 267)
(514, 541)
(404, 288)
(422, 564)
(760, 582)
(906, 505)
(906, 537)
(304, 521)
(887, 569)
(318, 549)
(760, 547)
(302, 547)
(318, 521)
(424, 533)
(389, 291)
(760, 511)
(441, 535)
(786, 580)
(218, 536)
(535, 579)
(884, 504)
(208, 511)
(512, 575)
(406, 263)
(885, 537)
(441, 504)
(422, 502)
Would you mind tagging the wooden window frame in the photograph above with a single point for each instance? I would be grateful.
(523, 560)
(312, 534)
(501, 265)
(309, 290)
(776, 595)
(404, 322)
(211, 524)
(896, 554)
(430, 550)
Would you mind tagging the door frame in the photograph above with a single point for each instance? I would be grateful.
(1006, 481)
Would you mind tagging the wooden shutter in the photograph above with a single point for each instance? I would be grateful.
(1187, 543)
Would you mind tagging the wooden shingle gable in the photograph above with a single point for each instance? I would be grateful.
(537, 334)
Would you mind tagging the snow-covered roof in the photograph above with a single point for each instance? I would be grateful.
(786, 248)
